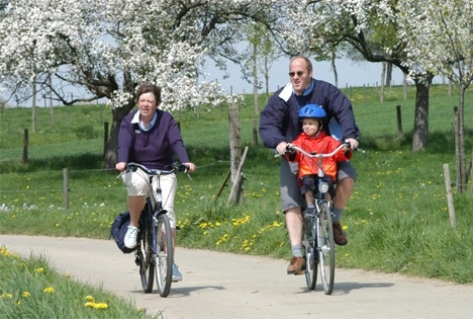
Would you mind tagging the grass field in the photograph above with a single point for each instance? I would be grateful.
(397, 219)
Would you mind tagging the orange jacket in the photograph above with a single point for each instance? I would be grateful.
(320, 144)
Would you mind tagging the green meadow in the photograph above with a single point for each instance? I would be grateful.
(396, 222)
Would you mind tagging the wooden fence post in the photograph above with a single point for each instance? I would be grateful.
(399, 121)
(223, 184)
(25, 146)
(234, 140)
(236, 193)
(449, 195)
(106, 136)
(66, 188)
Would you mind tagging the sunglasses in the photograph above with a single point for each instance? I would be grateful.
(292, 74)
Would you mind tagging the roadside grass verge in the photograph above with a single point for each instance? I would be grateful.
(31, 289)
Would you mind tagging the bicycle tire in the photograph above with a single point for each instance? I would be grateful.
(326, 248)
(310, 254)
(164, 256)
(145, 252)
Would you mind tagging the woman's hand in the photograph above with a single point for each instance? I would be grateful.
(191, 167)
(120, 166)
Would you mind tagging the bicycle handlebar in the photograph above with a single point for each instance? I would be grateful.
(315, 155)
(153, 171)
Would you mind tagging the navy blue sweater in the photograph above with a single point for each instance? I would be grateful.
(279, 119)
(154, 148)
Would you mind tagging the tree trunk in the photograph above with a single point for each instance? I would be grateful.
(266, 75)
(382, 81)
(33, 107)
(334, 69)
(51, 109)
(460, 152)
(255, 97)
(405, 87)
(118, 113)
(420, 128)
(388, 78)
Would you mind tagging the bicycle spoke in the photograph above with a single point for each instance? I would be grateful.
(164, 258)
(326, 249)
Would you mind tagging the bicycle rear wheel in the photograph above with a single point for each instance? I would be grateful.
(145, 254)
(164, 256)
(326, 248)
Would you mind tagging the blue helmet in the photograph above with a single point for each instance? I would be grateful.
(313, 111)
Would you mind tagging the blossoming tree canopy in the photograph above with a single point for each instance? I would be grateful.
(108, 47)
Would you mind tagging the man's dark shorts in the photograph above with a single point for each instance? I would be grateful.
(290, 192)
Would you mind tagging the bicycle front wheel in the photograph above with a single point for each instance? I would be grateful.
(309, 245)
(145, 254)
(164, 256)
(326, 248)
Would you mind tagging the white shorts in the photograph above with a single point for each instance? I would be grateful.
(137, 185)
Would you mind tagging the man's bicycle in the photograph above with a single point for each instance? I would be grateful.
(154, 253)
(318, 233)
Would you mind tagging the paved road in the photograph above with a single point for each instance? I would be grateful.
(222, 285)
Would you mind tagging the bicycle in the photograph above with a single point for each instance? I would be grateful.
(154, 253)
(318, 233)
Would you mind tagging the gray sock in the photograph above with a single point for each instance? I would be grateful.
(337, 213)
(296, 249)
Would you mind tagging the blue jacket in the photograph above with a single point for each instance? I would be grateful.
(279, 119)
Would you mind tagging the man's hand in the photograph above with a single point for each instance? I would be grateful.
(281, 148)
(354, 144)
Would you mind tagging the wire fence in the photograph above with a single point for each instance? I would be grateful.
(98, 186)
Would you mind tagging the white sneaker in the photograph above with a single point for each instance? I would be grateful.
(176, 274)
(130, 240)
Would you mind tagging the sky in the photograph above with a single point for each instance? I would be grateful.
(349, 74)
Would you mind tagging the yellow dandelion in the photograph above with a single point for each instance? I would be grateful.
(89, 304)
(345, 227)
(48, 290)
(26, 294)
(100, 305)
(89, 298)
(39, 269)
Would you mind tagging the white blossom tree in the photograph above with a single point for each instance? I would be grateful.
(369, 27)
(443, 40)
(108, 47)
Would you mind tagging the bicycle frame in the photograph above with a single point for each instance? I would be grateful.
(319, 247)
(154, 196)
(155, 255)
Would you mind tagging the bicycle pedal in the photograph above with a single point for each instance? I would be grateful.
(138, 261)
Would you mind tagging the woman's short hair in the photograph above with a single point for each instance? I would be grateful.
(150, 88)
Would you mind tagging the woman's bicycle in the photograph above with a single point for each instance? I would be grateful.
(318, 233)
(154, 253)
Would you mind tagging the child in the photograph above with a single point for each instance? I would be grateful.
(314, 139)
